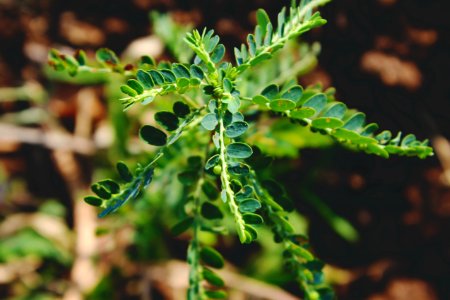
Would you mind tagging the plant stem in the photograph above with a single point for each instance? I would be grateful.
(227, 187)
(195, 272)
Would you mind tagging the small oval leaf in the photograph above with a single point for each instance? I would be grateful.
(94, 201)
(135, 85)
(218, 53)
(124, 172)
(239, 150)
(251, 218)
(128, 90)
(212, 257)
(145, 79)
(181, 109)
(236, 129)
(249, 205)
(209, 121)
(110, 185)
(327, 122)
(167, 120)
(153, 135)
(281, 105)
(210, 211)
(212, 161)
(212, 278)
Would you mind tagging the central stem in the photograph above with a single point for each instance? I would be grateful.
(227, 186)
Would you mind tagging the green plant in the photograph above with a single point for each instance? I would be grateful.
(212, 113)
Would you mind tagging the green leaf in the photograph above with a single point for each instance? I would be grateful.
(218, 53)
(407, 140)
(167, 120)
(101, 191)
(197, 72)
(216, 294)
(71, 64)
(236, 117)
(236, 129)
(94, 201)
(227, 85)
(233, 105)
(252, 232)
(236, 185)
(262, 19)
(153, 135)
(281, 21)
(168, 75)
(239, 169)
(269, 35)
(302, 113)
(145, 79)
(212, 43)
(317, 102)
(107, 57)
(183, 83)
(377, 150)
(327, 122)
(182, 226)
(212, 161)
(145, 59)
(260, 58)
(281, 105)
(124, 172)
(157, 77)
(81, 57)
(210, 121)
(135, 85)
(212, 257)
(369, 129)
(181, 71)
(270, 92)
(342, 133)
(246, 192)
(147, 100)
(110, 185)
(251, 44)
(301, 252)
(336, 110)
(210, 190)
(181, 109)
(188, 177)
(239, 150)
(210, 211)
(249, 205)
(212, 278)
(251, 218)
(128, 90)
(294, 93)
(395, 141)
(355, 122)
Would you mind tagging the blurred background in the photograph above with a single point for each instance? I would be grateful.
(381, 226)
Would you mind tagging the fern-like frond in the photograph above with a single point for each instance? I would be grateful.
(207, 48)
(325, 115)
(167, 78)
(111, 195)
(267, 39)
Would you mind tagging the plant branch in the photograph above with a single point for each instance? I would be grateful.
(227, 187)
